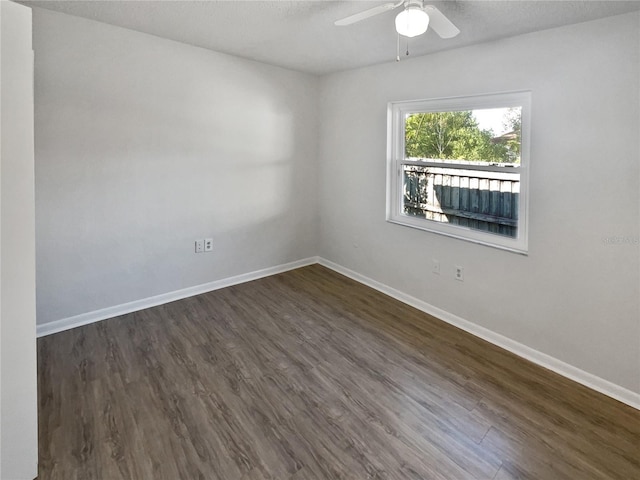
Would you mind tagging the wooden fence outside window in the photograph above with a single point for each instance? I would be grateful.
(477, 199)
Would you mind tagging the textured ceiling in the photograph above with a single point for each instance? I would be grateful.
(300, 35)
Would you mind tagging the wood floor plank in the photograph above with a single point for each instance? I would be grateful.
(308, 375)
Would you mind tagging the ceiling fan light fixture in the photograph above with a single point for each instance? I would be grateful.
(412, 21)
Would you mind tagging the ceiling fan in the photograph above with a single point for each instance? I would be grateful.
(410, 22)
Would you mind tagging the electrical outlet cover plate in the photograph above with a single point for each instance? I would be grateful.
(459, 273)
(199, 246)
(208, 244)
(436, 267)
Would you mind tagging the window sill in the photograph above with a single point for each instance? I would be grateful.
(466, 234)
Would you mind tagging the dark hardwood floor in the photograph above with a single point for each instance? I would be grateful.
(309, 375)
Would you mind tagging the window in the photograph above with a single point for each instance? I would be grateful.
(458, 167)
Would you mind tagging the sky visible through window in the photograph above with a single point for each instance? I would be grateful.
(492, 119)
(480, 135)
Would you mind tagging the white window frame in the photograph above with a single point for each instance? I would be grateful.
(397, 112)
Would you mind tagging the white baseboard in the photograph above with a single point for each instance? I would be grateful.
(117, 310)
(566, 370)
(587, 379)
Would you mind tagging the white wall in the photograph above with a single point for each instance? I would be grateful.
(573, 297)
(144, 145)
(18, 395)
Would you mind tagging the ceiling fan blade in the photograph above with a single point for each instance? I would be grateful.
(439, 23)
(367, 13)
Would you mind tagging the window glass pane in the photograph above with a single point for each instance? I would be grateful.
(490, 135)
(459, 166)
(479, 200)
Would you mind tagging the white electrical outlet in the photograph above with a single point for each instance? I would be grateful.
(459, 274)
(208, 244)
(199, 245)
(435, 268)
